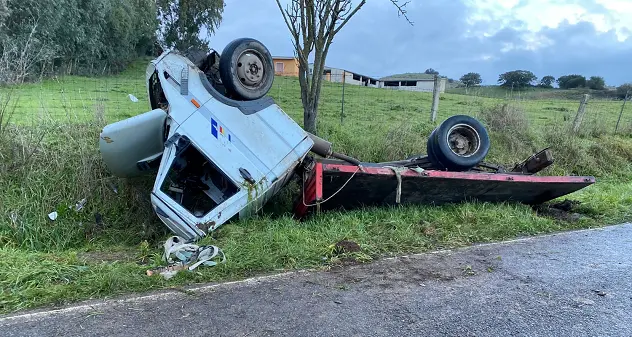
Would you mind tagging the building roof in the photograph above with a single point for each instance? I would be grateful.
(409, 77)
(283, 57)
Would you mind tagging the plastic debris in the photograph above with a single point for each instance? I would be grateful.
(182, 255)
(166, 272)
(133, 98)
(53, 215)
(114, 188)
(79, 206)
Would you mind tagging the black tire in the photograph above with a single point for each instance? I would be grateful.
(458, 144)
(430, 148)
(243, 87)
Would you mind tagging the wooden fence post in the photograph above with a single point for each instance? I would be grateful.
(580, 113)
(616, 128)
(436, 90)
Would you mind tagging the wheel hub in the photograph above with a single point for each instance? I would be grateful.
(464, 140)
(250, 68)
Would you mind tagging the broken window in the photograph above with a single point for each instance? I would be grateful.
(157, 97)
(391, 84)
(196, 183)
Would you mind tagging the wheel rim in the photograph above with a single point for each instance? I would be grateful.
(464, 140)
(250, 69)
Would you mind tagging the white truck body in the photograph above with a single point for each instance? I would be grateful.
(217, 157)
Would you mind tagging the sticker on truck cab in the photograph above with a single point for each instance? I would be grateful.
(218, 130)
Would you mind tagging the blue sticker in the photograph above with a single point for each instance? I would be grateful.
(214, 128)
(217, 130)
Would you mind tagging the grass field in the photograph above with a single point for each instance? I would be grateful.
(50, 161)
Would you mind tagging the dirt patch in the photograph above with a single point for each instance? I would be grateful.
(345, 246)
(563, 210)
(555, 108)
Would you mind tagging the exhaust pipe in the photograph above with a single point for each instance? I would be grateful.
(324, 149)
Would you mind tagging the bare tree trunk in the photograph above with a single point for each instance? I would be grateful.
(309, 119)
(313, 25)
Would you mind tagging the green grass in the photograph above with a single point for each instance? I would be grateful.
(49, 160)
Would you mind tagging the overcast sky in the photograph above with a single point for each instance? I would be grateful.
(548, 37)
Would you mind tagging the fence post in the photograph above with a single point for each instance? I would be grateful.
(616, 128)
(435, 98)
(580, 113)
(342, 110)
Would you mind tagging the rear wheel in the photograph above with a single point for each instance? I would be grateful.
(246, 69)
(458, 144)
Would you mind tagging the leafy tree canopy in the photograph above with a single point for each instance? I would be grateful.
(471, 79)
(517, 79)
(184, 20)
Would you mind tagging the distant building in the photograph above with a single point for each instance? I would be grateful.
(412, 82)
(285, 65)
(338, 75)
(288, 66)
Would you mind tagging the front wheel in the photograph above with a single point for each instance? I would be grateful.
(246, 69)
(458, 144)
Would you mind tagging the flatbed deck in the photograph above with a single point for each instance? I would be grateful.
(376, 184)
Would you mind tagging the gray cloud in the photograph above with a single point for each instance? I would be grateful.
(377, 42)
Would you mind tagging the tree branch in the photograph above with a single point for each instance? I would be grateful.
(344, 22)
(401, 11)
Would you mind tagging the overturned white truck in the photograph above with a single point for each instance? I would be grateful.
(221, 148)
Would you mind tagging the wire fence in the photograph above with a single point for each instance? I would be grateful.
(362, 102)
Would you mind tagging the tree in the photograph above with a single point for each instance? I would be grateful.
(313, 25)
(596, 83)
(547, 82)
(182, 21)
(72, 36)
(471, 79)
(431, 71)
(624, 90)
(517, 79)
(571, 81)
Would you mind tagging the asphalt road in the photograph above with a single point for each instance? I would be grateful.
(569, 284)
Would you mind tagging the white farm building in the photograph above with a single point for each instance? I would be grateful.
(412, 82)
(409, 81)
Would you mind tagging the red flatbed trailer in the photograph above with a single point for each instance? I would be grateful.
(334, 184)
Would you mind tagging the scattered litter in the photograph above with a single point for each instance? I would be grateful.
(133, 98)
(53, 216)
(80, 204)
(14, 218)
(600, 292)
(114, 188)
(166, 272)
(337, 302)
(182, 255)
